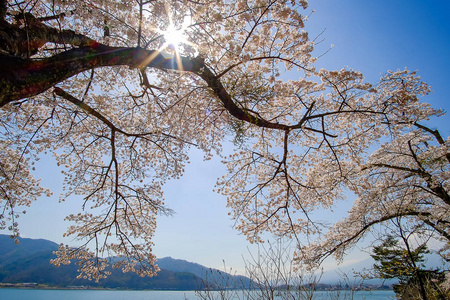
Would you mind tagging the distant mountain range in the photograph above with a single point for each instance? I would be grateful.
(28, 262)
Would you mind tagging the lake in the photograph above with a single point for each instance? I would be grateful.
(35, 294)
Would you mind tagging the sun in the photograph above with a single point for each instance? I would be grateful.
(175, 36)
(175, 41)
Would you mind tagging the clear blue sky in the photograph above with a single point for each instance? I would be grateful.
(370, 36)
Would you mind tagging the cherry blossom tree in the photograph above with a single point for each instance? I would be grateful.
(407, 177)
(105, 87)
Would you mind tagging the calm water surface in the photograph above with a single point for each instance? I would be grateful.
(34, 294)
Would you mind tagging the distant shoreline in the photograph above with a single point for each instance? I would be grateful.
(35, 286)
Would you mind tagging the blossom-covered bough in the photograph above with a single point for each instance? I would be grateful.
(97, 84)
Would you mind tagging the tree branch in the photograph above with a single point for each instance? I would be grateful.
(436, 134)
(367, 226)
(438, 189)
(63, 94)
(20, 78)
(3, 9)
